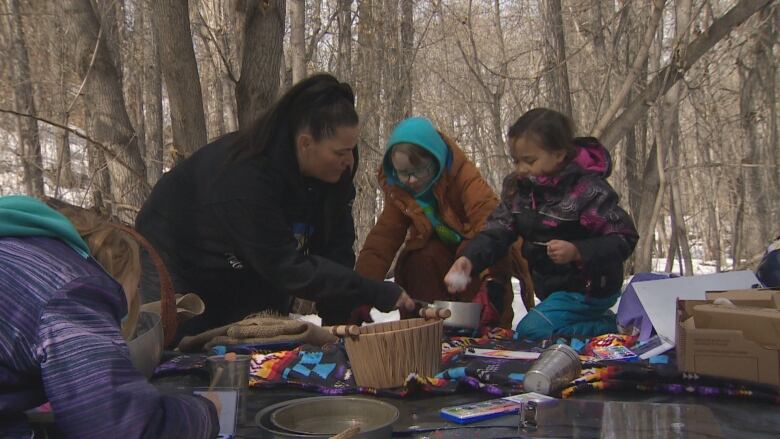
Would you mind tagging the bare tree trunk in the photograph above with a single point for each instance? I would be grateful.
(367, 86)
(682, 61)
(654, 180)
(736, 227)
(234, 20)
(344, 55)
(770, 17)
(126, 45)
(396, 81)
(760, 118)
(773, 97)
(100, 180)
(231, 106)
(180, 70)
(671, 252)
(498, 149)
(298, 39)
(672, 112)
(217, 102)
(557, 72)
(407, 54)
(210, 77)
(27, 127)
(652, 196)
(152, 97)
(64, 172)
(262, 57)
(712, 232)
(110, 123)
(604, 66)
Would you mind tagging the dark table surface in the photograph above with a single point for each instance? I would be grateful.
(736, 418)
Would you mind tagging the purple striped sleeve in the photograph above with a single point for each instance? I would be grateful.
(89, 379)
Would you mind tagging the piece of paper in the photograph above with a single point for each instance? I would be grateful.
(227, 415)
(659, 297)
(497, 353)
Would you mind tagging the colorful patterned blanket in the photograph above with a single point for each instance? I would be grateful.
(326, 370)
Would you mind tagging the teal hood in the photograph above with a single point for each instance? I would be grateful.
(421, 132)
(22, 216)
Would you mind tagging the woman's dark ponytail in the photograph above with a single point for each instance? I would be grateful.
(319, 103)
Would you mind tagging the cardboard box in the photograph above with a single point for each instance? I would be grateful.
(734, 346)
(658, 297)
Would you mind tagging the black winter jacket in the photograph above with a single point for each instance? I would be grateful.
(248, 235)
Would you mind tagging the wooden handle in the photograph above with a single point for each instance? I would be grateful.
(345, 330)
(435, 313)
(348, 433)
(216, 377)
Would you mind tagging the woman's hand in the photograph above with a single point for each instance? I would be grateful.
(562, 252)
(459, 275)
(405, 302)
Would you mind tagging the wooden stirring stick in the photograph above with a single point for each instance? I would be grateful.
(215, 379)
(230, 356)
(348, 433)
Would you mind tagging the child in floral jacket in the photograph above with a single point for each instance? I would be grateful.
(575, 236)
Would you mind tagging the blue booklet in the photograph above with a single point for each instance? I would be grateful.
(479, 411)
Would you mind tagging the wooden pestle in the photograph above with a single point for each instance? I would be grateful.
(344, 330)
(348, 433)
(435, 313)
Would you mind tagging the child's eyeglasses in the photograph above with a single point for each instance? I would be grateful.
(418, 173)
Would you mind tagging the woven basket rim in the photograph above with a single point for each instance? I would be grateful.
(425, 324)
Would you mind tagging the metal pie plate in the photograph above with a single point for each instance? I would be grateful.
(326, 416)
(332, 415)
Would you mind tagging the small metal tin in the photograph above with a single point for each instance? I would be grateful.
(557, 366)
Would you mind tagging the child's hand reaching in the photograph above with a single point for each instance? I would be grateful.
(459, 275)
(562, 252)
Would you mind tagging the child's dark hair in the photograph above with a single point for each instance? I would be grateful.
(553, 130)
(319, 104)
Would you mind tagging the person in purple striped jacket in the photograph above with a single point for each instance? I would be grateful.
(60, 340)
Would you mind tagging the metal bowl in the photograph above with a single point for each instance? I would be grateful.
(464, 315)
(328, 415)
(147, 345)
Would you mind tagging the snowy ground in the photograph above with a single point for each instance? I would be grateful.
(699, 267)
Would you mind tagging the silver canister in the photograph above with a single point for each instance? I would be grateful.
(556, 367)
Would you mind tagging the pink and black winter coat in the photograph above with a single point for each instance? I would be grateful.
(576, 205)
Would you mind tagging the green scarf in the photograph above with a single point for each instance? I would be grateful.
(26, 216)
(421, 132)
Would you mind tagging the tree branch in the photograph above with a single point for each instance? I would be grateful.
(676, 69)
(213, 38)
(84, 136)
(641, 58)
(89, 69)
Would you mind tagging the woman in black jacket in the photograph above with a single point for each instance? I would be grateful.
(264, 215)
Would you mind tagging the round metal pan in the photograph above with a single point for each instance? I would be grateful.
(325, 416)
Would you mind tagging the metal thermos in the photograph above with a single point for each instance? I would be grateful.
(556, 367)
